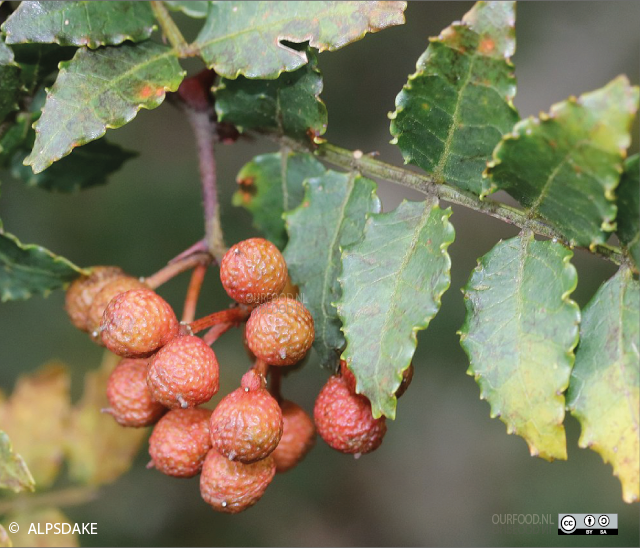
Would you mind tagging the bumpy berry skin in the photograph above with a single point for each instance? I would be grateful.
(246, 426)
(184, 373)
(298, 437)
(280, 332)
(129, 396)
(253, 271)
(344, 419)
(83, 290)
(180, 442)
(232, 487)
(111, 289)
(138, 322)
(350, 379)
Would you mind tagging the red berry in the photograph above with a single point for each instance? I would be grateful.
(138, 322)
(184, 373)
(247, 423)
(232, 487)
(129, 396)
(82, 291)
(111, 289)
(280, 332)
(253, 271)
(344, 419)
(298, 437)
(180, 442)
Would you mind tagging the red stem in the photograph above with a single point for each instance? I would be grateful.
(193, 293)
(261, 367)
(216, 332)
(170, 271)
(233, 316)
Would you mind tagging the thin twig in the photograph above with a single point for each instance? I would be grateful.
(204, 131)
(233, 316)
(171, 31)
(193, 293)
(171, 270)
(371, 167)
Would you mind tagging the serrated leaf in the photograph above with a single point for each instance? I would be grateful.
(247, 38)
(197, 10)
(289, 105)
(39, 519)
(565, 166)
(628, 205)
(9, 82)
(101, 89)
(14, 473)
(91, 24)
(604, 392)
(271, 184)
(98, 449)
(36, 418)
(86, 167)
(519, 333)
(28, 269)
(331, 216)
(392, 282)
(38, 61)
(458, 104)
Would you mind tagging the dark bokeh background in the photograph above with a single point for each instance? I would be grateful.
(445, 467)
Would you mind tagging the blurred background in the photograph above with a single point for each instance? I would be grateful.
(445, 468)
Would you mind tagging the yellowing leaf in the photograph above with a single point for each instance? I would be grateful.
(98, 448)
(37, 521)
(36, 416)
(14, 473)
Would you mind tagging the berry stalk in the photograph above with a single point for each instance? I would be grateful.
(193, 293)
(232, 316)
(176, 267)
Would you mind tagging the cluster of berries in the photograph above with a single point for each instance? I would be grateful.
(167, 372)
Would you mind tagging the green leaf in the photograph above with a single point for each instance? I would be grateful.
(86, 23)
(14, 473)
(565, 166)
(9, 82)
(98, 449)
(520, 332)
(457, 106)
(332, 216)
(36, 419)
(271, 184)
(248, 37)
(101, 89)
(27, 269)
(628, 206)
(86, 167)
(604, 393)
(289, 105)
(392, 282)
(15, 138)
(197, 10)
(38, 61)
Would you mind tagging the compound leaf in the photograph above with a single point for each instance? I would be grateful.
(9, 81)
(604, 392)
(331, 216)
(14, 473)
(36, 418)
(271, 184)
(85, 23)
(628, 204)
(27, 269)
(247, 38)
(195, 9)
(289, 105)
(457, 106)
(520, 332)
(86, 167)
(98, 449)
(392, 282)
(101, 89)
(565, 166)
